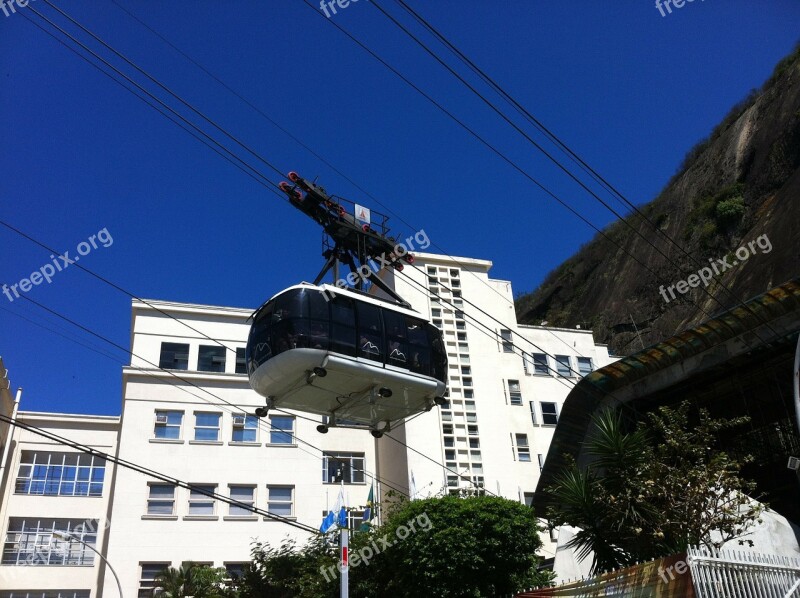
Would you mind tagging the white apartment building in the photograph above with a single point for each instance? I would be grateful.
(506, 386)
(187, 413)
(54, 508)
(195, 424)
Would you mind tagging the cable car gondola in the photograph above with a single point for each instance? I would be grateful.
(345, 354)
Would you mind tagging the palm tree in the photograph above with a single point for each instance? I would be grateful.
(191, 579)
(174, 583)
(653, 490)
(599, 499)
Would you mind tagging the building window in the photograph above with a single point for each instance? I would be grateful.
(280, 500)
(585, 366)
(245, 495)
(174, 356)
(206, 426)
(347, 467)
(168, 424)
(43, 542)
(46, 594)
(354, 519)
(514, 392)
(236, 571)
(466, 370)
(211, 358)
(508, 343)
(528, 496)
(199, 501)
(241, 362)
(562, 366)
(523, 451)
(527, 363)
(60, 474)
(161, 500)
(533, 412)
(540, 364)
(549, 414)
(245, 428)
(147, 578)
(281, 429)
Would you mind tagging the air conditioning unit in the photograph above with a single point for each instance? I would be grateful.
(161, 419)
(238, 421)
(794, 463)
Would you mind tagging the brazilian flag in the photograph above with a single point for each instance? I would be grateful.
(368, 511)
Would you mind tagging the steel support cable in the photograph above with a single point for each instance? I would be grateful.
(561, 167)
(152, 473)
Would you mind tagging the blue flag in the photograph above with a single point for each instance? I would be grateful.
(336, 516)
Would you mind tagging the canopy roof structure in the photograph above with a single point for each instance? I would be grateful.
(738, 363)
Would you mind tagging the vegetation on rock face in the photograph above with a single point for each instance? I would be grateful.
(714, 217)
(654, 490)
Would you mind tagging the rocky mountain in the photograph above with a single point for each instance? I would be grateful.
(740, 188)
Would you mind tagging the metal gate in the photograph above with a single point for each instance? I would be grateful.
(739, 574)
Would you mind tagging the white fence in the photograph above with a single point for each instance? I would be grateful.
(739, 574)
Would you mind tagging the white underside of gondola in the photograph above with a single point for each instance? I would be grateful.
(349, 391)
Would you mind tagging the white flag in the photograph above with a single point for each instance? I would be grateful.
(362, 214)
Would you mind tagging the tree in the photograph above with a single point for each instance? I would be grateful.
(655, 490)
(288, 571)
(478, 546)
(446, 546)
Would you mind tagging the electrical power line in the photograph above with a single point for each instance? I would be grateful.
(561, 167)
(212, 122)
(152, 473)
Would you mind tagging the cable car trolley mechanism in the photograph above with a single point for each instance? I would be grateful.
(358, 359)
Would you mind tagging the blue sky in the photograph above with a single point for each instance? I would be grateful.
(629, 90)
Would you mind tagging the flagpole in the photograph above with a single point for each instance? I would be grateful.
(345, 560)
(344, 537)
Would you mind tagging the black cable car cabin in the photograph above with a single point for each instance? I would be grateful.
(346, 355)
